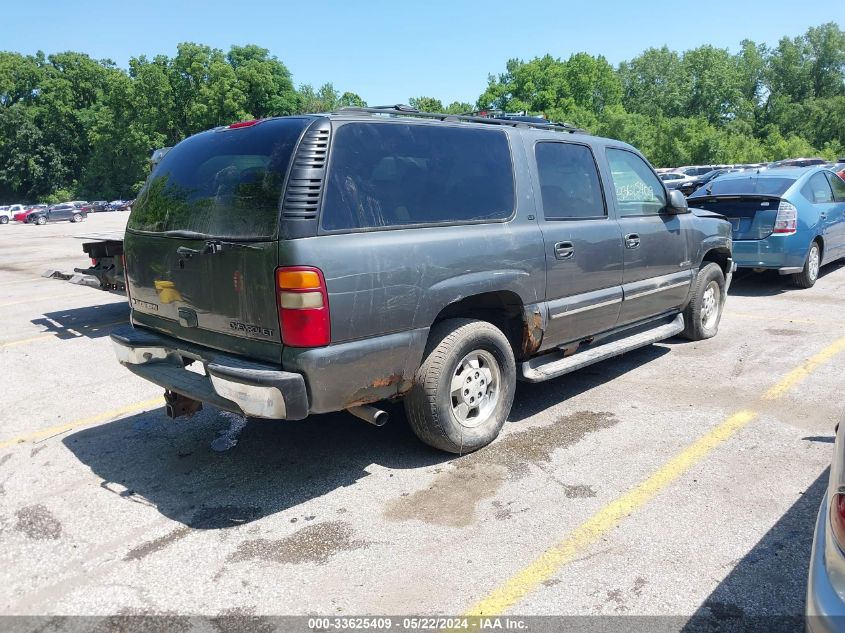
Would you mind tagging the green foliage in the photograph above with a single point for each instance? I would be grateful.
(75, 127)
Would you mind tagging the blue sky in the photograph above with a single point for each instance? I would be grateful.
(390, 51)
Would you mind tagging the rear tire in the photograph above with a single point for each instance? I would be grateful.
(4, 219)
(807, 277)
(704, 311)
(463, 391)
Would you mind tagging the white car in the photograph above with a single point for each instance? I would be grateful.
(673, 179)
(5, 215)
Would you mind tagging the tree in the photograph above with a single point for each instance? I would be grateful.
(426, 104)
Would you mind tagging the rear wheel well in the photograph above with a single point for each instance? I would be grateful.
(820, 240)
(503, 308)
(718, 256)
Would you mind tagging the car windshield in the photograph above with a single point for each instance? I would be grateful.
(751, 185)
(225, 183)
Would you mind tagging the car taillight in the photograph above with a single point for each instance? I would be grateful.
(786, 222)
(303, 306)
(837, 519)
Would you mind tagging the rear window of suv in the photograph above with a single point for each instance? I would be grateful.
(398, 174)
(222, 183)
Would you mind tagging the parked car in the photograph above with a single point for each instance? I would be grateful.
(688, 187)
(5, 214)
(118, 205)
(57, 213)
(96, 207)
(427, 261)
(796, 162)
(825, 608)
(789, 220)
(696, 170)
(673, 179)
(23, 215)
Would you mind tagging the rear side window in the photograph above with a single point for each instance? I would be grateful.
(838, 186)
(569, 182)
(397, 174)
(817, 189)
(222, 183)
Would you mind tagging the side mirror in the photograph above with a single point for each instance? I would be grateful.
(677, 202)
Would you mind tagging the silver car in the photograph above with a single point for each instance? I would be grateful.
(826, 583)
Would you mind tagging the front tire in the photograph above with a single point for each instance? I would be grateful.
(4, 219)
(41, 221)
(807, 277)
(76, 218)
(704, 311)
(463, 391)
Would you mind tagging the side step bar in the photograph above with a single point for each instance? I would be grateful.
(551, 366)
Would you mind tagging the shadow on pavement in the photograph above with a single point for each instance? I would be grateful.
(747, 283)
(91, 321)
(169, 464)
(766, 589)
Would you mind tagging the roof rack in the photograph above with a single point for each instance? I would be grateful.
(405, 110)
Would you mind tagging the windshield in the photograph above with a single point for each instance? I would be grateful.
(752, 185)
(221, 183)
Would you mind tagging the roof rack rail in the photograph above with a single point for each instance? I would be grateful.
(406, 110)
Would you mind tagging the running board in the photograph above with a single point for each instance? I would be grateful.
(541, 368)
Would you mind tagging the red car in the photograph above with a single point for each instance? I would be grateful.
(22, 215)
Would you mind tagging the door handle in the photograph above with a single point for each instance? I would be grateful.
(564, 250)
(823, 215)
(632, 240)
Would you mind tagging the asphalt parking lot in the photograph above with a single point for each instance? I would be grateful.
(682, 479)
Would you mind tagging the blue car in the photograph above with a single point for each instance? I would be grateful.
(789, 220)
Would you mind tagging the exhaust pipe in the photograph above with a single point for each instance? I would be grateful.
(374, 416)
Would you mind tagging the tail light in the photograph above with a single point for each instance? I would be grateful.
(303, 306)
(837, 519)
(786, 222)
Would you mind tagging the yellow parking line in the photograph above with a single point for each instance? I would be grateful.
(543, 568)
(24, 281)
(24, 341)
(22, 302)
(802, 371)
(44, 337)
(552, 560)
(90, 421)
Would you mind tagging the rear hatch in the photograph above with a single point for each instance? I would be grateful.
(201, 244)
(749, 203)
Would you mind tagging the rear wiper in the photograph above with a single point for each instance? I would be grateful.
(211, 247)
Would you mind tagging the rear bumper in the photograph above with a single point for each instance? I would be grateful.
(230, 383)
(782, 253)
(825, 608)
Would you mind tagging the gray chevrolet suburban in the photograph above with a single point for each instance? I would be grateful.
(307, 264)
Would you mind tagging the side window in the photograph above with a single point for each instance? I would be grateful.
(401, 174)
(817, 189)
(838, 186)
(638, 190)
(569, 181)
